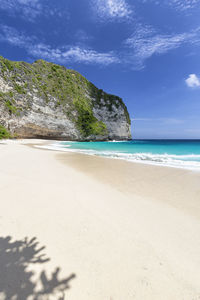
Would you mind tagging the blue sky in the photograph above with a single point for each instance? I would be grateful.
(145, 51)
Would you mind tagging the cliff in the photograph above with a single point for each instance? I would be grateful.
(44, 100)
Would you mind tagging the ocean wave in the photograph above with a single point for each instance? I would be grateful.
(114, 141)
(190, 161)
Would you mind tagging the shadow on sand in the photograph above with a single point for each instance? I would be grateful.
(16, 276)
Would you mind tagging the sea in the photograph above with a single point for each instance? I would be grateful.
(171, 153)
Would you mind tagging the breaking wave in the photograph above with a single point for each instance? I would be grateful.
(191, 161)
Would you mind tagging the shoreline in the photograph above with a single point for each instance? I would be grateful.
(49, 146)
(128, 231)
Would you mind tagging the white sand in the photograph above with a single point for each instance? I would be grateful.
(121, 245)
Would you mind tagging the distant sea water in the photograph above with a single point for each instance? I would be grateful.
(171, 153)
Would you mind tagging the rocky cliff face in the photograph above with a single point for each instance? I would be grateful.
(44, 100)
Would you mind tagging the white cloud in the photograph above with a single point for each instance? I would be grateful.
(12, 36)
(64, 54)
(112, 9)
(193, 81)
(29, 9)
(183, 4)
(161, 120)
(180, 5)
(73, 54)
(146, 42)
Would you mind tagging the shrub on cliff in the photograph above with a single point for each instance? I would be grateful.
(4, 134)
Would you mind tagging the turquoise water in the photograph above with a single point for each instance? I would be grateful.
(174, 153)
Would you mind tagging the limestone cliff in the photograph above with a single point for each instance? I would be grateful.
(44, 100)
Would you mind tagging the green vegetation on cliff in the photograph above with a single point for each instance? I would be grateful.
(86, 122)
(4, 134)
(72, 92)
(9, 102)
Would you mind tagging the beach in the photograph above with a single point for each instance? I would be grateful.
(112, 230)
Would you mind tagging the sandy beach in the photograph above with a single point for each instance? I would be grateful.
(112, 230)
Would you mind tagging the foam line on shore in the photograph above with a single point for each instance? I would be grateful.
(188, 162)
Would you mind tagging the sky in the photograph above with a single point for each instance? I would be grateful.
(145, 51)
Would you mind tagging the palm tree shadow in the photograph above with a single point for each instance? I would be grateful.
(16, 277)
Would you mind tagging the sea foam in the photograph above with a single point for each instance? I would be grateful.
(186, 161)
